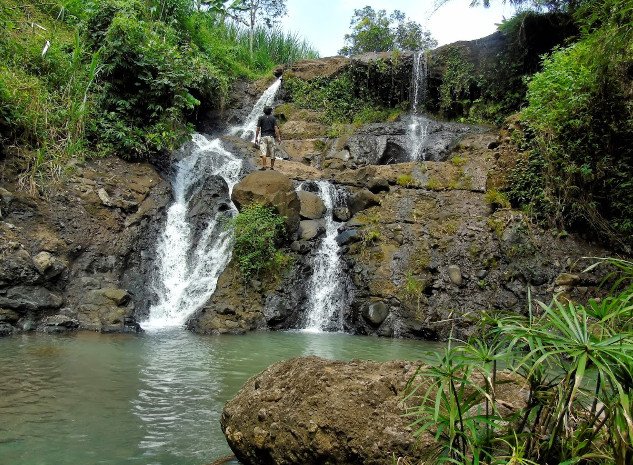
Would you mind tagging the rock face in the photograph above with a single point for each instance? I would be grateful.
(79, 258)
(269, 188)
(314, 411)
(388, 143)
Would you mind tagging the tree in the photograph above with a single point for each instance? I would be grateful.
(375, 31)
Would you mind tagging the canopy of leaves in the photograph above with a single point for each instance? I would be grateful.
(376, 31)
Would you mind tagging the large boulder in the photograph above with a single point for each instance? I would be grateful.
(312, 207)
(272, 189)
(30, 298)
(314, 411)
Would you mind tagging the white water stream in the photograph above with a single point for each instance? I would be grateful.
(419, 125)
(188, 271)
(327, 291)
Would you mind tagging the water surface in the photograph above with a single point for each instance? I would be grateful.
(153, 399)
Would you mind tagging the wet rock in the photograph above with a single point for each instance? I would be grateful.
(269, 188)
(319, 411)
(301, 247)
(377, 185)
(118, 296)
(310, 229)
(6, 329)
(312, 207)
(362, 200)
(376, 313)
(567, 279)
(105, 310)
(30, 298)
(48, 265)
(17, 267)
(341, 214)
(8, 316)
(57, 324)
(455, 275)
(43, 261)
(347, 237)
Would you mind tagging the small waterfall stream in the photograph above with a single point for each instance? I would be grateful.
(327, 288)
(419, 124)
(189, 267)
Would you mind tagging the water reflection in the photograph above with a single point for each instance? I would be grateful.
(154, 399)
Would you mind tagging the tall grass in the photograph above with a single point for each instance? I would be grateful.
(575, 363)
(228, 43)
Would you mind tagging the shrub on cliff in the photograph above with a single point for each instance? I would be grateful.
(581, 113)
(122, 76)
(258, 233)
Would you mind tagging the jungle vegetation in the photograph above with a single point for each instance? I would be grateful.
(86, 78)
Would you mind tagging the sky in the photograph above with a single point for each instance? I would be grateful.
(324, 23)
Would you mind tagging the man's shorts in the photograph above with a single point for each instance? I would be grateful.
(267, 146)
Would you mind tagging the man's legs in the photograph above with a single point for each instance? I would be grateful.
(263, 147)
(271, 152)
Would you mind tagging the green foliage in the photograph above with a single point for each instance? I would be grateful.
(582, 116)
(496, 199)
(258, 233)
(405, 180)
(375, 31)
(576, 362)
(119, 76)
(339, 100)
(527, 187)
(457, 80)
(146, 87)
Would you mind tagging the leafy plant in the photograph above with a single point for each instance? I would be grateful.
(580, 113)
(405, 180)
(496, 199)
(258, 233)
(576, 363)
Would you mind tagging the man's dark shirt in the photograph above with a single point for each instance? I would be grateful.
(267, 124)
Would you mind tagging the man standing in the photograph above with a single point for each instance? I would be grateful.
(269, 129)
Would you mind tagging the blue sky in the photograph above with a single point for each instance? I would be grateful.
(323, 23)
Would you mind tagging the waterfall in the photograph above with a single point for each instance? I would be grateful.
(327, 289)
(189, 266)
(247, 130)
(419, 124)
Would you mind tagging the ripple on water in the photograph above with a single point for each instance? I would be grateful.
(154, 399)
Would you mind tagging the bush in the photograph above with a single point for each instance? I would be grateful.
(122, 76)
(582, 119)
(258, 233)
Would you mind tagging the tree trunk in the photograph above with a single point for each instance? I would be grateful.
(251, 31)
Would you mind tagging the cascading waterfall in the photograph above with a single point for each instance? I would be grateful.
(419, 125)
(327, 288)
(188, 269)
(247, 130)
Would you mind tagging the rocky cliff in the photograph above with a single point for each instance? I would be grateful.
(77, 254)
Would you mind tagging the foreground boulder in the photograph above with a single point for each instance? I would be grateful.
(315, 411)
